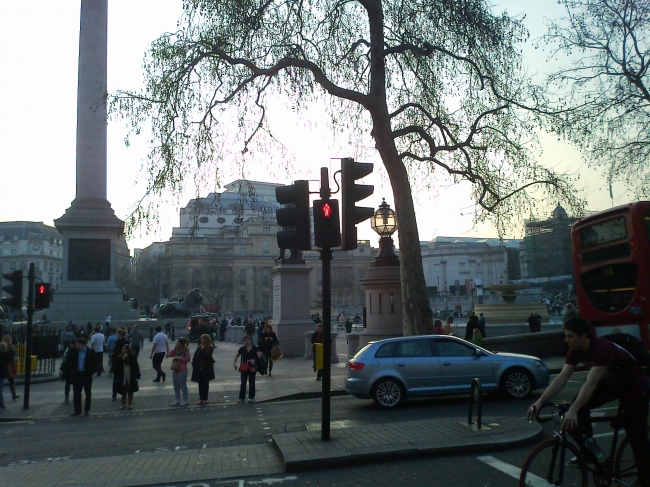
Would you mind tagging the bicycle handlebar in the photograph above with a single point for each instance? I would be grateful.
(561, 408)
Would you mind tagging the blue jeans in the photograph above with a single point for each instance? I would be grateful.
(180, 384)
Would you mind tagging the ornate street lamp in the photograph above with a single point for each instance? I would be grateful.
(384, 222)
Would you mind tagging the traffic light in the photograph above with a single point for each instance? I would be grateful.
(350, 194)
(41, 295)
(295, 220)
(15, 290)
(326, 223)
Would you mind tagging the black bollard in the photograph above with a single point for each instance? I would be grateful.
(173, 332)
(151, 333)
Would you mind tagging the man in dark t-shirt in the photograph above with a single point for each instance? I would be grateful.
(614, 374)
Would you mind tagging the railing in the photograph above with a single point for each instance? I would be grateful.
(45, 346)
(475, 395)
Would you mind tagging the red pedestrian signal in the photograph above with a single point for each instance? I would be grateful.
(326, 223)
(41, 295)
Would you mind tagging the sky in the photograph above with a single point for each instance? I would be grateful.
(38, 123)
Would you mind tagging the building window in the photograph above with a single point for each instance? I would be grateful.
(12, 266)
(242, 301)
(196, 278)
(265, 246)
(0, 251)
(242, 251)
(266, 229)
(13, 252)
(197, 250)
(265, 277)
(242, 277)
(37, 265)
(265, 301)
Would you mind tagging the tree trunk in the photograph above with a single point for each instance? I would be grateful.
(418, 319)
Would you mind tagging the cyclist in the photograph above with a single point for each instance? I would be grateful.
(614, 374)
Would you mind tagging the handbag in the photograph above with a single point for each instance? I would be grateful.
(276, 353)
(243, 367)
(175, 364)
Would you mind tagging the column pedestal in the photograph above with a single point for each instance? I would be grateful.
(384, 317)
(291, 294)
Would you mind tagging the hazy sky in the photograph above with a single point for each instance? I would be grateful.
(38, 90)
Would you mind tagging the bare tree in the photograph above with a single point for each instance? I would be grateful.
(219, 283)
(435, 84)
(603, 95)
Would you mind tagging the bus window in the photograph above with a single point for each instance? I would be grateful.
(646, 223)
(604, 232)
(610, 288)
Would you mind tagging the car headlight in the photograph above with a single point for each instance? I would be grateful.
(540, 364)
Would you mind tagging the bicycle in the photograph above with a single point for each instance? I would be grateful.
(547, 463)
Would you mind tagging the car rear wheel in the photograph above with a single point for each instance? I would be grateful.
(388, 393)
(517, 383)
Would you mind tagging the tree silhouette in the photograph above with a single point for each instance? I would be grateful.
(436, 84)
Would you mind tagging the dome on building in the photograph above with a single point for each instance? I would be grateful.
(559, 213)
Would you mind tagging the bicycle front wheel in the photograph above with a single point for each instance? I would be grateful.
(624, 465)
(547, 465)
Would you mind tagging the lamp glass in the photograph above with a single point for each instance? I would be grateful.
(384, 221)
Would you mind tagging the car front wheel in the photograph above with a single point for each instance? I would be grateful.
(517, 383)
(388, 393)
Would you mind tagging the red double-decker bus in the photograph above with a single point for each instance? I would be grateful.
(611, 269)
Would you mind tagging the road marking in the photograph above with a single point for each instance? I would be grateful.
(515, 472)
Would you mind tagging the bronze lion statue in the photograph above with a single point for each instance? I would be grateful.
(183, 309)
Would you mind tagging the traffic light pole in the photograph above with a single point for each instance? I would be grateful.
(28, 338)
(326, 257)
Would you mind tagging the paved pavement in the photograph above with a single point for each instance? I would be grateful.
(293, 378)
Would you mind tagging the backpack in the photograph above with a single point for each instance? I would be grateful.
(632, 345)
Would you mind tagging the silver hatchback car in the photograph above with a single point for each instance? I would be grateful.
(389, 371)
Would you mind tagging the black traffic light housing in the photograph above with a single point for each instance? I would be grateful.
(15, 290)
(41, 295)
(296, 232)
(350, 194)
(326, 223)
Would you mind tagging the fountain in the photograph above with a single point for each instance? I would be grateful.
(510, 312)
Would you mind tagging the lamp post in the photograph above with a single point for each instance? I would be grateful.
(384, 222)
(446, 297)
(438, 287)
(471, 292)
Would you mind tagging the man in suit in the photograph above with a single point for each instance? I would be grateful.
(82, 363)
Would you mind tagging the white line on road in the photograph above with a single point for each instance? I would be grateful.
(531, 480)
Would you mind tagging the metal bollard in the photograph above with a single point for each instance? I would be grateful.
(475, 395)
(173, 332)
(151, 333)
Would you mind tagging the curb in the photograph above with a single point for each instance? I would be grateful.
(335, 454)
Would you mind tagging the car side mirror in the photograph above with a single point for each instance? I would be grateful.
(478, 352)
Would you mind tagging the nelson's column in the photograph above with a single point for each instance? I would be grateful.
(90, 228)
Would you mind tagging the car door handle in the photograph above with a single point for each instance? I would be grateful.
(446, 363)
(401, 365)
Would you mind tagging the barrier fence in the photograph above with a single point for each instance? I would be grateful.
(45, 348)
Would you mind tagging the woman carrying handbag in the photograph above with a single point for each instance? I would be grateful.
(203, 368)
(181, 354)
(126, 373)
(247, 368)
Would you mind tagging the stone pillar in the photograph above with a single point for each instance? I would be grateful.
(90, 228)
(384, 317)
(291, 305)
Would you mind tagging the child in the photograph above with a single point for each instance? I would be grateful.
(477, 339)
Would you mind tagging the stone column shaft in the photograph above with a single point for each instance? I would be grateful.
(91, 101)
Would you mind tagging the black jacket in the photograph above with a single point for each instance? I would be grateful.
(118, 370)
(90, 366)
(203, 365)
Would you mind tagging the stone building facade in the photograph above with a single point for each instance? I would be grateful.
(226, 246)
